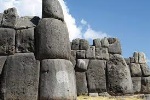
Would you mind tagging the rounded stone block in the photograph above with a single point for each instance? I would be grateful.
(57, 81)
(52, 40)
(52, 9)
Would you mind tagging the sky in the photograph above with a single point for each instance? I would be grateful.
(128, 20)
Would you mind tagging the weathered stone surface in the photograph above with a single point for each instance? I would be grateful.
(136, 57)
(52, 40)
(81, 83)
(84, 44)
(93, 94)
(80, 54)
(136, 84)
(97, 43)
(2, 62)
(127, 60)
(96, 76)
(27, 22)
(135, 70)
(73, 57)
(21, 78)
(102, 53)
(82, 65)
(75, 44)
(1, 17)
(104, 42)
(145, 88)
(114, 46)
(147, 96)
(145, 70)
(57, 80)
(118, 76)
(132, 60)
(104, 94)
(142, 58)
(90, 53)
(52, 9)
(10, 17)
(7, 41)
(25, 40)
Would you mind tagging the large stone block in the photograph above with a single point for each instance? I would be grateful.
(147, 96)
(52, 9)
(145, 70)
(135, 70)
(136, 84)
(81, 83)
(7, 41)
(132, 60)
(114, 46)
(57, 81)
(142, 58)
(25, 40)
(97, 43)
(104, 42)
(127, 60)
(118, 76)
(27, 22)
(73, 57)
(90, 53)
(96, 76)
(84, 44)
(10, 17)
(82, 65)
(75, 44)
(80, 54)
(21, 78)
(52, 39)
(102, 53)
(145, 87)
(2, 62)
(136, 57)
(1, 17)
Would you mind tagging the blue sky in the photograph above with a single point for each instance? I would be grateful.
(128, 20)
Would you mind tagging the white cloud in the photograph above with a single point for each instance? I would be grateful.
(34, 8)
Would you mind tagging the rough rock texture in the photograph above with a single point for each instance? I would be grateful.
(145, 88)
(84, 44)
(57, 80)
(25, 40)
(142, 58)
(145, 70)
(102, 53)
(27, 22)
(10, 18)
(97, 43)
(135, 70)
(96, 76)
(2, 62)
(1, 17)
(114, 46)
(20, 78)
(73, 57)
(104, 42)
(7, 41)
(52, 9)
(132, 60)
(82, 65)
(54, 35)
(90, 53)
(136, 57)
(127, 60)
(80, 54)
(118, 76)
(81, 83)
(93, 94)
(75, 44)
(147, 96)
(136, 84)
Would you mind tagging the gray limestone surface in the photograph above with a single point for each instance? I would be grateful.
(57, 80)
(145, 87)
(145, 70)
(52, 9)
(84, 44)
(135, 70)
(102, 53)
(20, 80)
(97, 43)
(25, 40)
(136, 84)
(142, 58)
(136, 57)
(90, 52)
(105, 43)
(1, 17)
(52, 40)
(75, 44)
(7, 41)
(80, 54)
(2, 63)
(82, 65)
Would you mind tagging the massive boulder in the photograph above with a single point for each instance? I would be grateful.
(145, 87)
(96, 76)
(52, 9)
(82, 65)
(20, 79)
(142, 58)
(52, 40)
(102, 53)
(1, 17)
(104, 42)
(136, 57)
(10, 18)
(145, 70)
(84, 44)
(135, 70)
(2, 63)
(90, 52)
(97, 43)
(25, 40)
(80, 54)
(57, 80)
(136, 84)
(7, 41)
(75, 44)
(118, 76)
